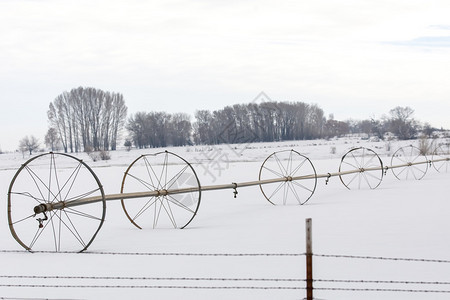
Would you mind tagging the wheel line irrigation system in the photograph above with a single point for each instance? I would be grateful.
(56, 202)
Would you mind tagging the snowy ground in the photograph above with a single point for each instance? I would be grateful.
(399, 219)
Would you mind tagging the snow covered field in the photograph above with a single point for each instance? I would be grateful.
(399, 219)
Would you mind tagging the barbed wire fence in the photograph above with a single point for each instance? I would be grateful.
(233, 283)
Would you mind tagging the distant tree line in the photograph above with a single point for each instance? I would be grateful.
(159, 129)
(399, 122)
(86, 119)
(264, 122)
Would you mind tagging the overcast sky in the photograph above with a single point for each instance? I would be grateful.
(355, 59)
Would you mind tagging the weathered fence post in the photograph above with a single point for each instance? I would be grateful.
(309, 270)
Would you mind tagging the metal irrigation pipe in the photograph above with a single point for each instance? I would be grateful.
(409, 164)
(156, 193)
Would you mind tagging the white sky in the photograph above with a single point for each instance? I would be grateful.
(355, 59)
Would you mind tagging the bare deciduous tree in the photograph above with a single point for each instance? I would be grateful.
(52, 139)
(401, 122)
(88, 118)
(28, 144)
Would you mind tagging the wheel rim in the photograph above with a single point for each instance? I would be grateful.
(156, 172)
(370, 168)
(299, 174)
(442, 152)
(416, 164)
(49, 179)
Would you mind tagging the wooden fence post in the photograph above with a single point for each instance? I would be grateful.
(309, 270)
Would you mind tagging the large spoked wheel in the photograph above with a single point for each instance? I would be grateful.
(58, 182)
(288, 178)
(361, 167)
(409, 163)
(441, 158)
(165, 174)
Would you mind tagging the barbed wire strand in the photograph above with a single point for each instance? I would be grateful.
(360, 281)
(156, 253)
(150, 278)
(34, 298)
(233, 255)
(383, 281)
(222, 287)
(383, 258)
(382, 290)
(155, 287)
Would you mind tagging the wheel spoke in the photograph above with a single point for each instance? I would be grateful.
(37, 179)
(24, 219)
(289, 164)
(367, 180)
(72, 178)
(418, 169)
(69, 225)
(294, 192)
(157, 211)
(81, 196)
(74, 230)
(55, 231)
(274, 172)
(27, 194)
(403, 170)
(163, 175)
(359, 181)
(277, 189)
(285, 192)
(174, 179)
(146, 184)
(369, 161)
(52, 161)
(150, 171)
(147, 205)
(179, 204)
(37, 235)
(356, 160)
(280, 165)
(70, 210)
(402, 159)
(169, 212)
(41, 230)
(355, 175)
(302, 186)
(368, 173)
(292, 174)
(350, 164)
